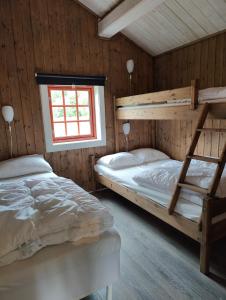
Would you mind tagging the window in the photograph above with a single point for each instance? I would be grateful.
(72, 111)
(73, 116)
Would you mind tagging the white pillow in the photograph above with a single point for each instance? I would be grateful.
(119, 160)
(149, 155)
(24, 165)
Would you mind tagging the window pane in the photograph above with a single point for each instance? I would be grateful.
(71, 114)
(69, 97)
(85, 128)
(83, 97)
(56, 97)
(58, 114)
(72, 129)
(83, 113)
(59, 130)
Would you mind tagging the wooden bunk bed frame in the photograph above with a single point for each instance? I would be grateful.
(205, 231)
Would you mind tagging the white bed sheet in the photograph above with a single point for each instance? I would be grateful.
(124, 177)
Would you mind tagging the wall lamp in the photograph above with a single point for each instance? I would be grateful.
(8, 115)
(126, 131)
(130, 68)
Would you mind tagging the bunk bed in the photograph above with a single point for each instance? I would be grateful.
(188, 103)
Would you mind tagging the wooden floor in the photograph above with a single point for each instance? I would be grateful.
(158, 262)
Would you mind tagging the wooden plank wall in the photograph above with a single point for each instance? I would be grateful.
(60, 36)
(205, 60)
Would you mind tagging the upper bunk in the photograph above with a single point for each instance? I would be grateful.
(178, 104)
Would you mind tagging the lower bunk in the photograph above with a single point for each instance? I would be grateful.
(201, 218)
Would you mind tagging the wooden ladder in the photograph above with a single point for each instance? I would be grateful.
(210, 192)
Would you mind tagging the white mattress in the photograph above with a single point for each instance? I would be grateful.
(65, 271)
(124, 177)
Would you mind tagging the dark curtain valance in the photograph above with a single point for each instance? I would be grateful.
(69, 79)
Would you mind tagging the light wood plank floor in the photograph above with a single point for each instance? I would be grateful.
(158, 262)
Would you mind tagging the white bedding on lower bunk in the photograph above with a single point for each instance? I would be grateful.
(189, 204)
(44, 209)
(164, 176)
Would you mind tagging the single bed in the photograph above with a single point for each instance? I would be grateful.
(69, 270)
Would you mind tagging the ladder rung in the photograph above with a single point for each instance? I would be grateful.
(211, 129)
(193, 188)
(205, 158)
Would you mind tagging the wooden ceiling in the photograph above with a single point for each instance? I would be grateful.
(172, 24)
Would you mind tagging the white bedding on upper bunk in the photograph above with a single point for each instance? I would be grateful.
(44, 209)
(158, 181)
(213, 95)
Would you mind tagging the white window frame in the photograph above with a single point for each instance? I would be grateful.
(62, 146)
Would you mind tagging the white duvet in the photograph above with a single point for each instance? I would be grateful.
(35, 213)
(164, 176)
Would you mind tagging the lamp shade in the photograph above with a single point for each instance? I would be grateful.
(130, 66)
(8, 113)
(126, 128)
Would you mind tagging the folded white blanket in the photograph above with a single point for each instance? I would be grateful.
(164, 178)
(35, 213)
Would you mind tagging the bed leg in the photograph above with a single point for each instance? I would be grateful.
(205, 237)
(204, 258)
(92, 159)
(109, 292)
